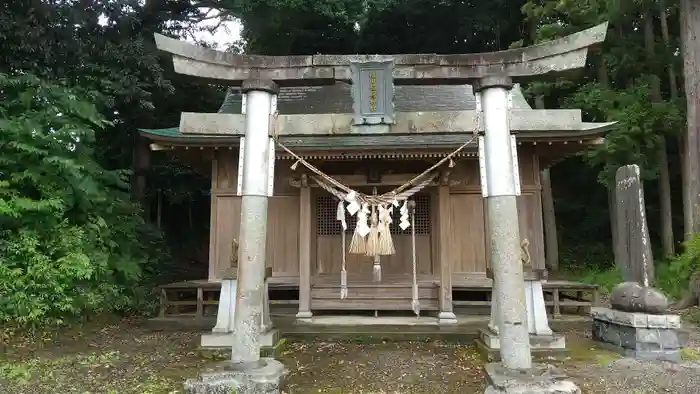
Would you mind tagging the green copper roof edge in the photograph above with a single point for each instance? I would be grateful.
(596, 129)
(174, 132)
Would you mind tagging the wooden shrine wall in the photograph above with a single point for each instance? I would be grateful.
(469, 249)
(283, 219)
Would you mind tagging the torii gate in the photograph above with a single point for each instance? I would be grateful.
(492, 75)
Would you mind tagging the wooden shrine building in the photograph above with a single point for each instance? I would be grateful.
(304, 245)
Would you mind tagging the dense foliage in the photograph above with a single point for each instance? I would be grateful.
(71, 241)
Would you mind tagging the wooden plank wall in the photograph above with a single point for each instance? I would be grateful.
(328, 257)
(469, 250)
(283, 219)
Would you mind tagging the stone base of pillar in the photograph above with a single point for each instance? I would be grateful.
(639, 335)
(304, 315)
(541, 346)
(268, 339)
(540, 379)
(447, 318)
(266, 378)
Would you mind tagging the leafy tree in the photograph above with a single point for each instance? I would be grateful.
(71, 241)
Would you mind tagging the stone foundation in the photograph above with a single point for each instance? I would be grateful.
(540, 379)
(267, 378)
(639, 335)
(225, 341)
(541, 346)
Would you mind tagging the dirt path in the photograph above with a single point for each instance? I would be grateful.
(119, 357)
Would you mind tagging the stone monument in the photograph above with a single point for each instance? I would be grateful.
(637, 323)
(543, 341)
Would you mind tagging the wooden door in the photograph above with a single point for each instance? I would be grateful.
(329, 249)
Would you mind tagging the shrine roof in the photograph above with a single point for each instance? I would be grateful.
(314, 119)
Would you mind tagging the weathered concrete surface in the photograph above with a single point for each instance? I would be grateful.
(558, 55)
(632, 297)
(268, 339)
(540, 379)
(633, 249)
(499, 181)
(542, 347)
(547, 122)
(640, 320)
(250, 297)
(268, 378)
(638, 335)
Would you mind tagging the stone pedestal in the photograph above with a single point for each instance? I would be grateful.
(221, 336)
(227, 306)
(540, 379)
(639, 335)
(543, 341)
(541, 346)
(265, 378)
(268, 339)
(447, 318)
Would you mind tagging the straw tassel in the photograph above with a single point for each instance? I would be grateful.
(372, 247)
(358, 244)
(386, 243)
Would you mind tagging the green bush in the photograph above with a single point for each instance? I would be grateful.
(71, 242)
(673, 277)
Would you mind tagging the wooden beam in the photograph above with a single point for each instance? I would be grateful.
(444, 230)
(305, 250)
(550, 224)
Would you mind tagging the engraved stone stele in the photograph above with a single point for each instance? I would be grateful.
(633, 249)
(635, 325)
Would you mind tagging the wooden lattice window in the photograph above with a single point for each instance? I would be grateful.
(327, 224)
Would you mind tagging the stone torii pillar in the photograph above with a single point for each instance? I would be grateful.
(516, 372)
(247, 372)
(502, 214)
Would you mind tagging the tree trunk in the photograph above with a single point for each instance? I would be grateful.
(140, 163)
(690, 28)
(551, 241)
(672, 78)
(690, 44)
(604, 81)
(661, 154)
(550, 223)
(159, 209)
(673, 87)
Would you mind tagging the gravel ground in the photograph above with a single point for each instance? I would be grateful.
(629, 376)
(120, 357)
